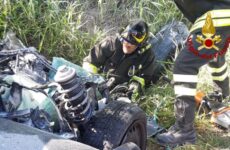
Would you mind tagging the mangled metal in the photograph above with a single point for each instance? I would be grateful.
(30, 96)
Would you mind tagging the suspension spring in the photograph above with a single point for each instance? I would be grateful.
(76, 103)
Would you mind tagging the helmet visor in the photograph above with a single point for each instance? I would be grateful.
(133, 37)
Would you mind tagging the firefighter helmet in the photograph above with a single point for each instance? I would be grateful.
(136, 33)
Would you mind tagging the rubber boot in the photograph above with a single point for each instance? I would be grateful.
(182, 132)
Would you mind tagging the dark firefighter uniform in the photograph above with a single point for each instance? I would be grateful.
(207, 44)
(108, 57)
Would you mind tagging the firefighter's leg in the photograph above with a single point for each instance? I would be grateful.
(185, 78)
(218, 68)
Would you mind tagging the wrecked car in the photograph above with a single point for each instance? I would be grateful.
(61, 98)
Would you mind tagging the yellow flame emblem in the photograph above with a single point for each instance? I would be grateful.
(208, 30)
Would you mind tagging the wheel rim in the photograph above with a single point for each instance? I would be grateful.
(136, 134)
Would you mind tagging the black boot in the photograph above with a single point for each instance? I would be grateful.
(182, 132)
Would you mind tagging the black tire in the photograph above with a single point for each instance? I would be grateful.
(117, 124)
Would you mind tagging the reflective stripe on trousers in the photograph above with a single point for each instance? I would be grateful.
(219, 73)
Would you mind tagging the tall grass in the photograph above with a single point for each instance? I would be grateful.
(156, 13)
(70, 28)
(53, 27)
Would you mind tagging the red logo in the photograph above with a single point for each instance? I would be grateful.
(208, 41)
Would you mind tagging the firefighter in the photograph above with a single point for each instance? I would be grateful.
(207, 44)
(126, 57)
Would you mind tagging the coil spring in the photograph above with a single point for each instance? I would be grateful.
(76, 102)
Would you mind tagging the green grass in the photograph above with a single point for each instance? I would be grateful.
(70, 28)
(53, 27)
